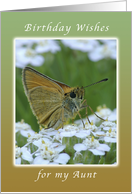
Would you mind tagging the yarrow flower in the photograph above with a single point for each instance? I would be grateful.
(24, 129)
(23, 42)
(110, 136)
(74, 144)
(50, 154)
(108, 124)
(103, 112)
(107, 50)
(92, 145)
(28, 51)
(73, 130)
(83, 45)
(26, 55)
(46, 46)
(22, 154)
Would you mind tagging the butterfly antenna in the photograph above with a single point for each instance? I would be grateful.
(103, 80)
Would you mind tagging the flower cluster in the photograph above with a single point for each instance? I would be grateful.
(30, 51)
(74, 144)
(96, 49)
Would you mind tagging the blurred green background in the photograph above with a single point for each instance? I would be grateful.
(74, 68)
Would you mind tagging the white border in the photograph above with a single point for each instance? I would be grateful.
(117, 103)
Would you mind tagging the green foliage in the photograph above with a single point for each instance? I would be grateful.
(73, 68)
(21, 140)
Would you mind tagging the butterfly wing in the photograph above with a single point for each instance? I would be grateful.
(45, 96)
(54, 120)
(32, 79)
(44, 101)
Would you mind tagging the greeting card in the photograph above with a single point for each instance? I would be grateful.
(66, 98)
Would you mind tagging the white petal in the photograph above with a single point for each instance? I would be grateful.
(81, 135)
(106, 128)
(31, 132)
(18, 161)
(62, 158)
(16, 130)
(40, 160)
(38, 60)
(60, 148)
(103, 147)
(40, 49)
(68, 134)
(97, 152)
(54, 145)
(110, 139)
(79, 147)
(112, 117)
(95, 56)
(39, 141)
(98, 133)
(26, 154)
(51, 133)
(20, 65)
(25, 133)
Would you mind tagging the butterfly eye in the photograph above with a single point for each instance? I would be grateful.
(72, 95)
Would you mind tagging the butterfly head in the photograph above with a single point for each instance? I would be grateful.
(76, 93)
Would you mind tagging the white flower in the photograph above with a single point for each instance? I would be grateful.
(46, 46)
(92, 145)
(42, 140)
(107, 124)
(24, 129)
(92, 119)
(82, 134)
(22, 153)
(98, 133)
(69, 128)
(77, 154)
(63, 158)
(110, 136)
(107, 128)
(106, 50)
(73, 130)
(91, 127)
(111, 43)
(23, 42)
(81, 44)
(112, 116)
(48, 132)
(50, 154)
(34, 137)
(68, 131)
(58, 137)
(103, 112)
(25, 56)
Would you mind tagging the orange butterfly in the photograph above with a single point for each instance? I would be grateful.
(53, 102)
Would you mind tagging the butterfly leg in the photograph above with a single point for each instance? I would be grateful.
(81, 119)
(96, 114)
(86, 109)
(68, 110)
(62, 117)
(92, 111)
